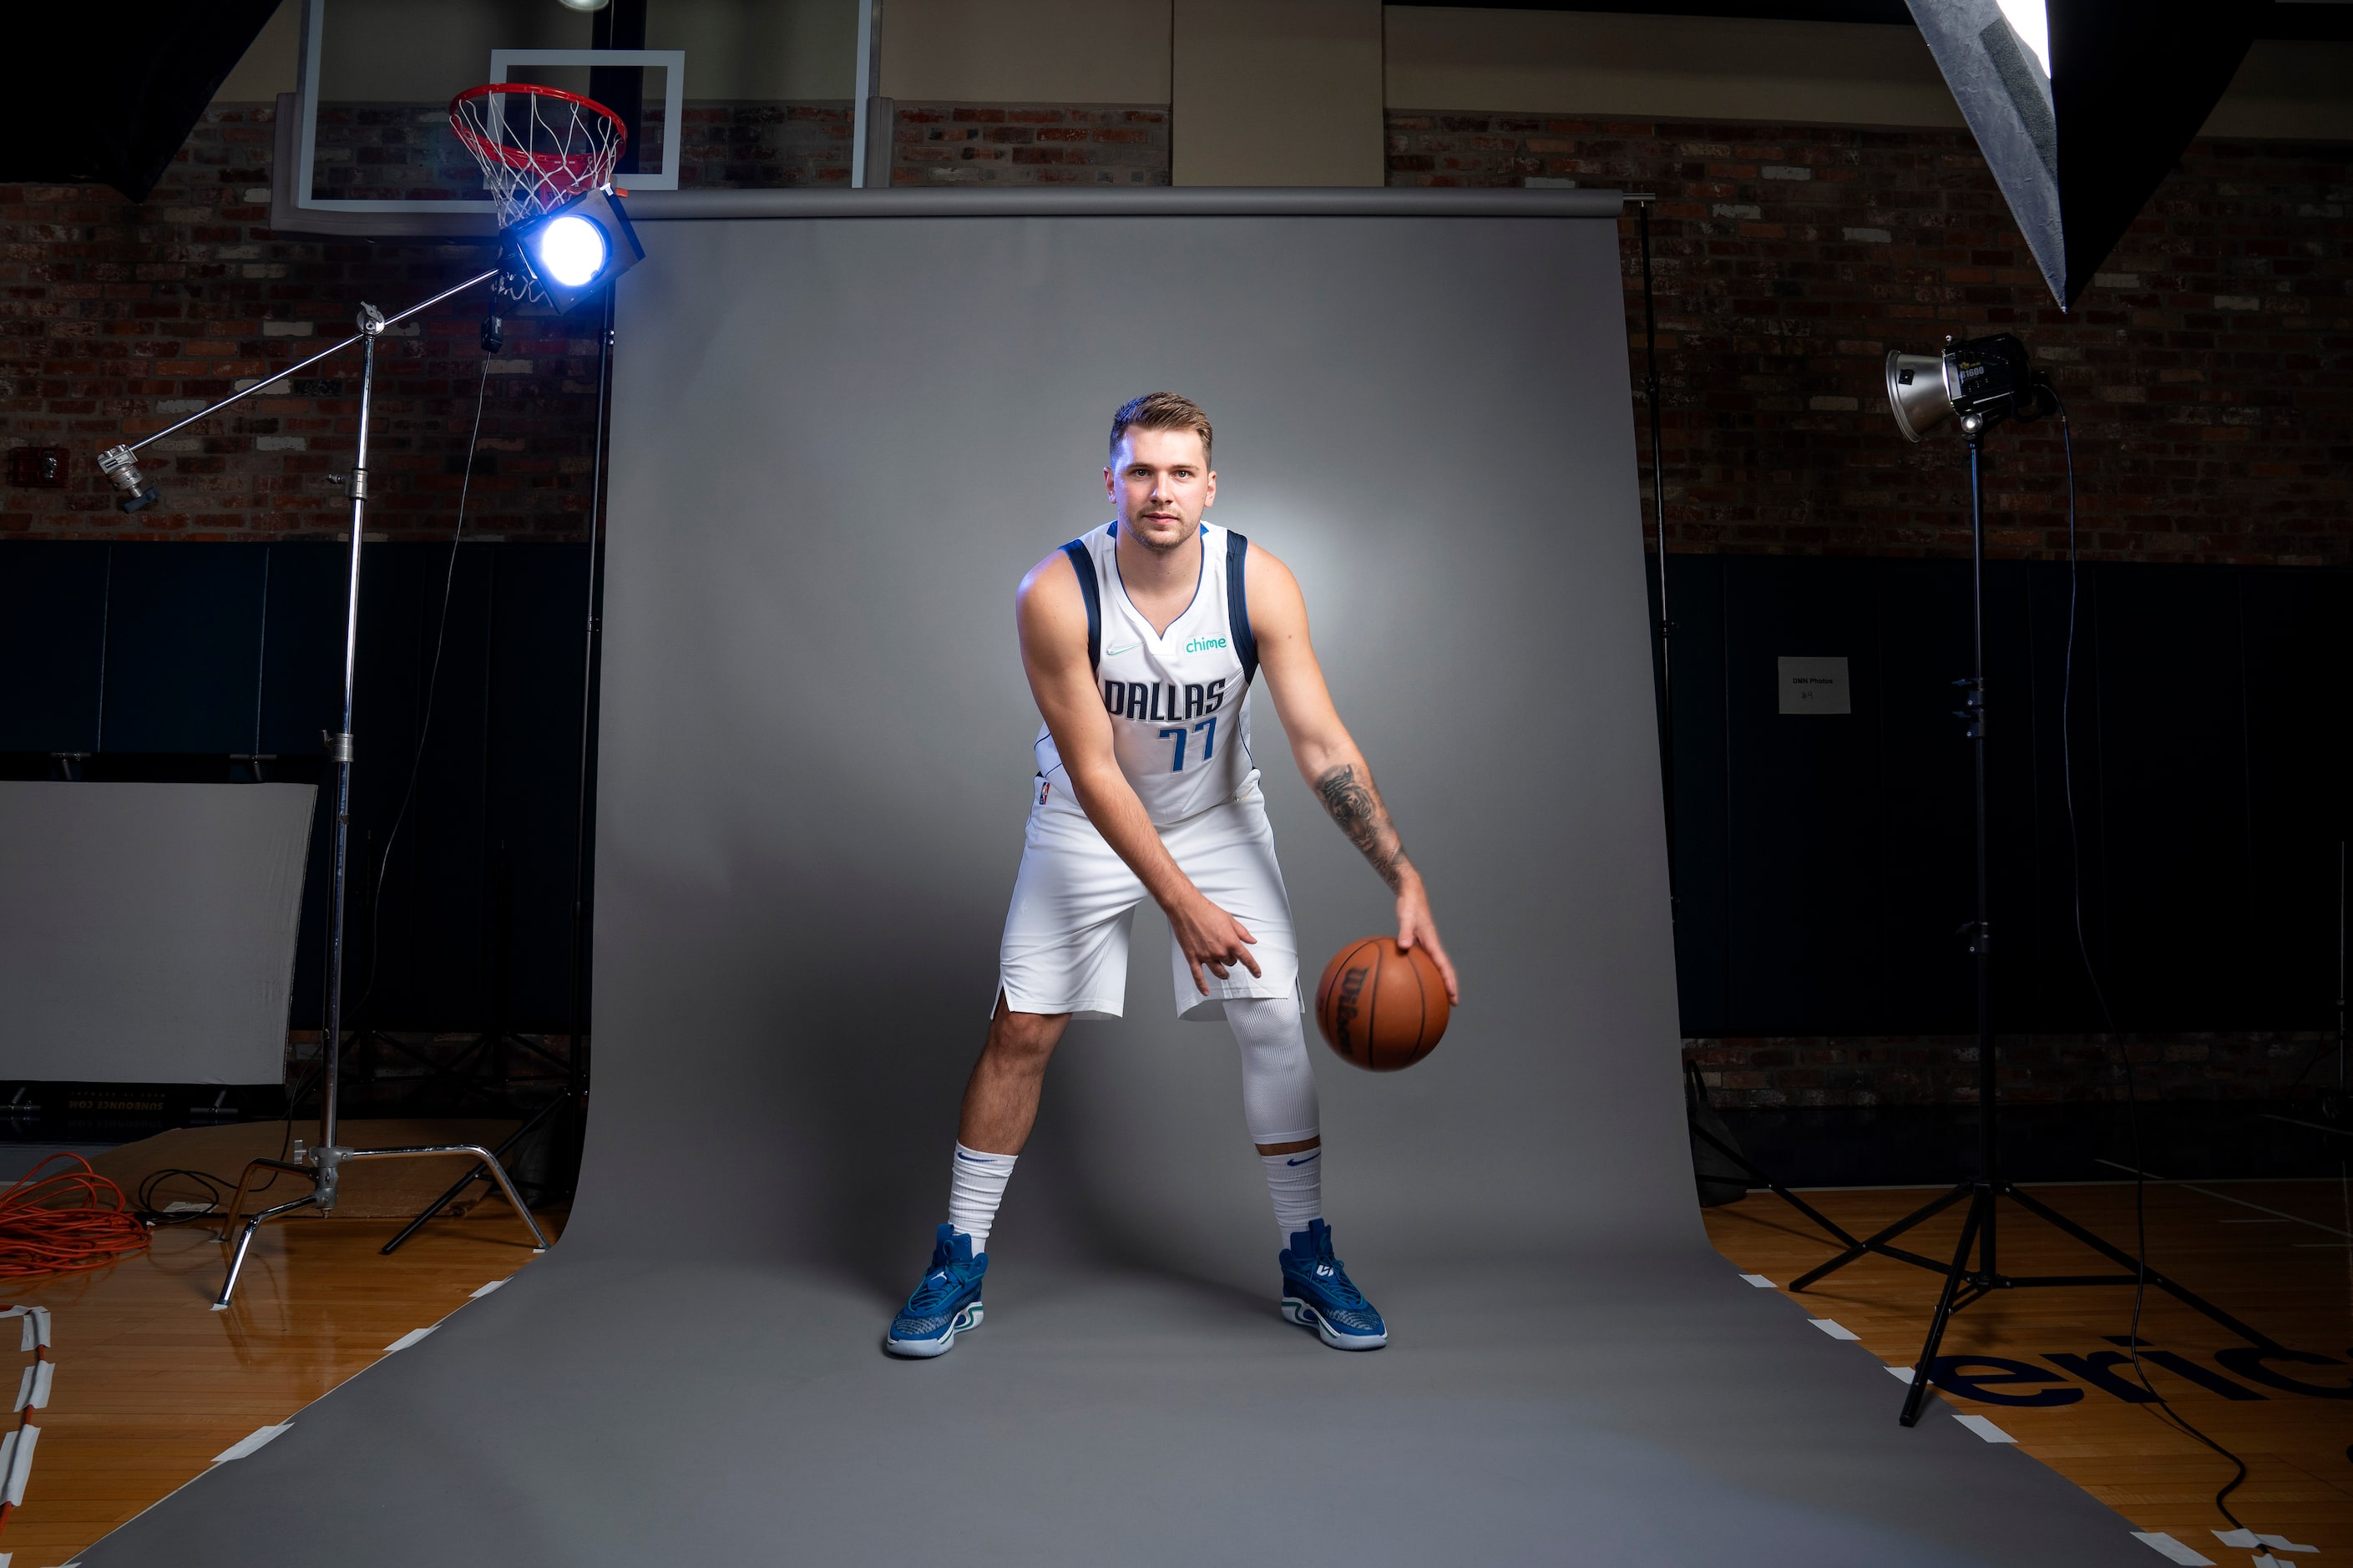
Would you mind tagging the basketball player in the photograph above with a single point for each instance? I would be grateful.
(1142, 640)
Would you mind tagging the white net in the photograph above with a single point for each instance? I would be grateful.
(538, 146)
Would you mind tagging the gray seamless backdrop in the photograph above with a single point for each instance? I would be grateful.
(840, 439)
(817, 743)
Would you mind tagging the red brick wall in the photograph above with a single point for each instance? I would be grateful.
(2210, 372)
(115, 320)
(1030, 144)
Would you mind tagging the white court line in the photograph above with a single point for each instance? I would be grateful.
(1985, 1428)
(260, 1438)
(2173, 1550)
(1834, 1327)
(2259, 1209)
(1760, 1282)
(408, 1339)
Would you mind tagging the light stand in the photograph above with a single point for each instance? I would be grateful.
(1986, 382)
(322, 1166)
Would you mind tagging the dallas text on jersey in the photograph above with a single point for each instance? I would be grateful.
(1132, 699)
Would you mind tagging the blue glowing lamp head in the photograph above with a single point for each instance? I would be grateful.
(567, 254)
(571, 251)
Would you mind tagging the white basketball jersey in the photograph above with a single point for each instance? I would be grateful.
(1178, 699)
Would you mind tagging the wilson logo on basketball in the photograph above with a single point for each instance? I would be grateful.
(1343, 1014)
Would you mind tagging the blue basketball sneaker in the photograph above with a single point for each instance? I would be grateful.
(946, 1304)
(1316, 1294)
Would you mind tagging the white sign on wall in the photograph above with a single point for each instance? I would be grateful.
(1815, 685)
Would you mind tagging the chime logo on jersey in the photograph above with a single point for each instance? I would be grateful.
(1153, 702)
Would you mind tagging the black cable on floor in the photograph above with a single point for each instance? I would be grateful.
(2107, 1019)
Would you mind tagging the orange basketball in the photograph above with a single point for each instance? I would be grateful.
(1381, 1006)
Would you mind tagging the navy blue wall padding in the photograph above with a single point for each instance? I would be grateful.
(1822, 863)
(1084, 566)
(184, 647)
(1238, 605)
(52, 644)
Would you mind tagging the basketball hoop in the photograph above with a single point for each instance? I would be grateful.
(539, 147)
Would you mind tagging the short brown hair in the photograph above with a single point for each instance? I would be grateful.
(1161, 411)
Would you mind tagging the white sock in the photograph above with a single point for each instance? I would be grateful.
(974, 1190)
(1295, 1182)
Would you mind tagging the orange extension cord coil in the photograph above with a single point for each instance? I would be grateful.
(68, 1220)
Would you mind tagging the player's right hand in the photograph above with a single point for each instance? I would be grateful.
(1211, 939)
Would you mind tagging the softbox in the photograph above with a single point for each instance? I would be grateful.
(2082, 106)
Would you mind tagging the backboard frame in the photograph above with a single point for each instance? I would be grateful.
(295, 209)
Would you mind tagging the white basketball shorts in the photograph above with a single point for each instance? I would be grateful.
(1065, 947)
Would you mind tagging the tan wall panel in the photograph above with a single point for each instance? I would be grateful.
(269, 67)
(2289, 89)
(1562, 62)
(1026, 51)
(760, 50)
(1278, 92)
(1823, 73)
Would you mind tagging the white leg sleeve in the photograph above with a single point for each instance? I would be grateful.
(1278, 1085)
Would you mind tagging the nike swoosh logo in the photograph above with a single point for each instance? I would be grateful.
(1302, 1161)
(1115, 652)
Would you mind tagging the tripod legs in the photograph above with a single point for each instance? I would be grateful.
(2117, 1254)
(1981, 1200)
(1878, 1241)
(479, 1172)
(326, 1162)
(253, 1223)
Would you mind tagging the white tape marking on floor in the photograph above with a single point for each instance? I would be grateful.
(2173, 1550)
(485, 1290)
(1985, 1428)
(1900, 1374)
(1760, 1282)
(260, 1438)
(1834, 1327)
(408, 1339)
(25, 1385)
(45, 1372)
(2249, 1538)
(20, 1466)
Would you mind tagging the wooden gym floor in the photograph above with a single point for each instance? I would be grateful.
(2272, 1253)
(151, 1384)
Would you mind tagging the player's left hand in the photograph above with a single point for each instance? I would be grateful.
(1415, 924)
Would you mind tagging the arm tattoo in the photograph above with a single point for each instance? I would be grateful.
(1353, 805)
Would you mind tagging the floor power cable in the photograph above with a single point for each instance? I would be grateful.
(2164, 1407)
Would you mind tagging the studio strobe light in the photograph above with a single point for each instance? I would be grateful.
(567, 254)
(1983, 381)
